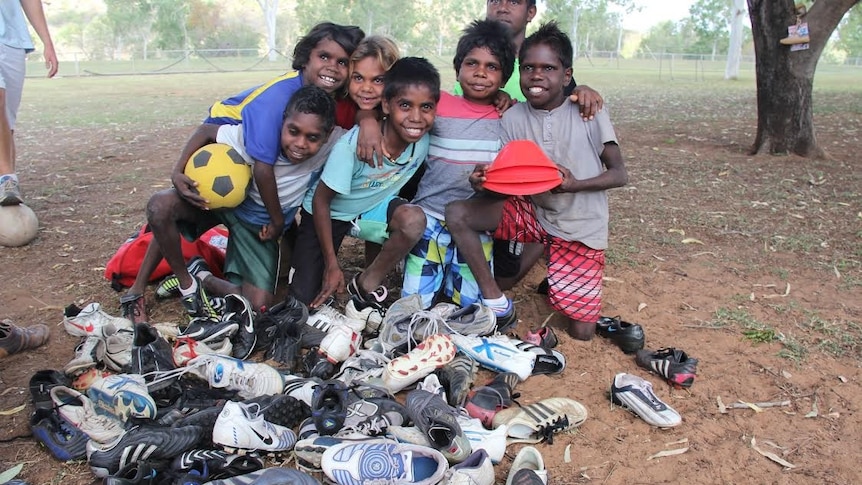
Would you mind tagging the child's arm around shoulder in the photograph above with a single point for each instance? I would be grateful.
(186, 187)
(615, 174)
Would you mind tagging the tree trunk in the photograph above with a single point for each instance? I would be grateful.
(784, 78)
(734, 51)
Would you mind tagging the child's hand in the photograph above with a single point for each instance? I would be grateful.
(187, 189)
(477, 178)
(370, 141)
(333, 282)
(503, 102)
(271, 231)
(588, 99)
(569, 181)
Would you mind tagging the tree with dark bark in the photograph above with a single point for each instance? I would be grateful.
(785, 79)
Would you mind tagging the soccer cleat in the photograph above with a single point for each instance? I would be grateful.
(197, 304)
(242, 428)
(91, 320)
(186, 349)
(438, 422)
(433, 353)
(477, 469)
(151, 443)
(548, 361)
(118, 349)
(539, 421)
(237, 309)
(361, 366)
(629, 336)
(78, 409)
(508, 319)
(529, 459)
(382, 461)
(457, 378)
(484, 402)
(137, 473)
(636, 395)
(309, 451)
(339, 344)
(280, 329)
(221, 464)
(498, 353)
(134, 308)
(325, 317)
(10, 192)
(207, 331)
(329, 407)
(674, 365)
(542, 337)
(62, 438)
(89, 352)
(372, 417)
(151, 356)
(301, 388)
(14, 339)
(123, 396)
(168, 288)
(475, 319)
(41, 383)
(250, 379)
(282, 409)
(86, 379)
(315, 364)
(366, 307)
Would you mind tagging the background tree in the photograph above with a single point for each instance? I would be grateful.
(734, 49)
(270, 15)
(667, 36)
(588, 22)
(785, 79)
(850, 33)
(710, 20)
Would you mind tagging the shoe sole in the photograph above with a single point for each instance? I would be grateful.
(433, 353)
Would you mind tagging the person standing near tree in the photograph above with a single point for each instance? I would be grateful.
(15, 44)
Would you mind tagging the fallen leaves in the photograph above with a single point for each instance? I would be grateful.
(673, 452)
(772, 456)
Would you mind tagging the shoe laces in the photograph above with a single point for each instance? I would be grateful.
(547, 432)
(425, 322)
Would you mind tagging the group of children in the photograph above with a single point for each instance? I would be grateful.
(342, 161)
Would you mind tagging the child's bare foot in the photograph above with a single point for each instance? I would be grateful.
(581, 330)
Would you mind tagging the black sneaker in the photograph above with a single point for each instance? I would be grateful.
(41, 384)
(507, 320)
(137, 473)
(220, 463)
(151, 443)
(279, 331)
(629, 336)
(674, 365)
(484, 402)
(133, 307)
(198, 304)
(367, 307)
(151, 353)
(206, 330)
(329, 407)
(62, 438)
(170, 286)
(315, 364)
(457, 378)
(282, 410)
(238, 309)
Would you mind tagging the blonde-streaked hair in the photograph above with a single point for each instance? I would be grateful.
(380, 47)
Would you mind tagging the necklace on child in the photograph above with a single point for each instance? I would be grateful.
(394, 160)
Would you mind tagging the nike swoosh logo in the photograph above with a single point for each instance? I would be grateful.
(249, 326)
(87, 328)
(267, 440)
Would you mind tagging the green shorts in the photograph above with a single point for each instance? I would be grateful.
(247, 259)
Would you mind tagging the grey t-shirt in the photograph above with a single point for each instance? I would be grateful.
(575, 144)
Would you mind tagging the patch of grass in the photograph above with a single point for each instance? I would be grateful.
(793, 349)
(622, 255)
(802, 243)
(781, 273)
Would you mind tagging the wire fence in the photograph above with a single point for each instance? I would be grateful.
(666, 66)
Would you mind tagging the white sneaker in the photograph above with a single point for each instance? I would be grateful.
(88, 353)
(325, 318)
(531, 459)
(636, 394)
(475, 319)
(250, 379)
(90, 321)
(301, 388)
(241, 427)
(477, 469)
(493, 441)
(383, 461)
(340, 343)
(360, 367)
(497, 352)
(190, 348)
(118, 348)
(124, 396)
(78, 409)
(370, 315)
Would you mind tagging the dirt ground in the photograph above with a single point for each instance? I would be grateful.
(752, 265)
